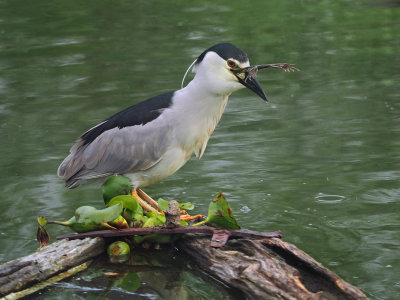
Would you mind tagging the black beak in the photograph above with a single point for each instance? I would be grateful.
(253, 84)
(247, 78)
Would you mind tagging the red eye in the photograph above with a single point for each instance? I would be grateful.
(231, 63)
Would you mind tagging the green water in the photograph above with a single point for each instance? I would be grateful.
(320, 162)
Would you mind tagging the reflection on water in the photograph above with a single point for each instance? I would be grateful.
(155, 275)
(320, 161)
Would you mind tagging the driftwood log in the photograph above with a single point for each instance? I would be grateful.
(267, 268)
(47, 262)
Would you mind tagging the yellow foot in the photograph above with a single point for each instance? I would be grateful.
(191, 218)
(149, 204)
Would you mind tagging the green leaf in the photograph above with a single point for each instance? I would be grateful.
(133, 210)
(130, 282)
(116, 185)
(220, 214)
(89, 214)
(119, 223)
(162, 204)
(127, 202)
(42, 221)
(154, 219)
(186, 206)
(82, 227)
(88, 218)
(85, 227)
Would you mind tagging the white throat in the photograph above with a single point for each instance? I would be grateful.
(200, 110)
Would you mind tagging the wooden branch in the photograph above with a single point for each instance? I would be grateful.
(224, 234)
(46, 262)
(268, 269)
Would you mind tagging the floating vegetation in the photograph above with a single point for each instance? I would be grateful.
(123, 211)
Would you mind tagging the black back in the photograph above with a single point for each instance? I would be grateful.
(226, 51)
(138, 114)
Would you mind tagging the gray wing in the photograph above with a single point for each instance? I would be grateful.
(116, 151)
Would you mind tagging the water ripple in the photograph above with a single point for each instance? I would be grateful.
(329, 199)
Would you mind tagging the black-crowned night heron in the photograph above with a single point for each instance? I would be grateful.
(153, 139)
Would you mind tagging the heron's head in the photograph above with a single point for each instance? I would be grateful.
(223, 68)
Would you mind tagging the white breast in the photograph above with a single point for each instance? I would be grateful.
(196, 119)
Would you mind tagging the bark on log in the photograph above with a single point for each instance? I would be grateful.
(268, 269)
(47, 262)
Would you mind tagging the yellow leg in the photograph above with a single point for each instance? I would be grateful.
(147, 198)
(142, 203)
